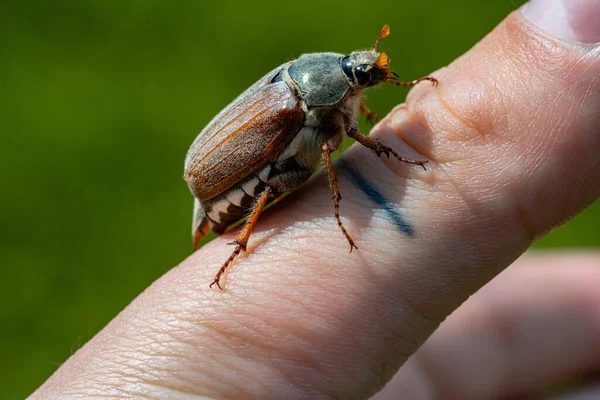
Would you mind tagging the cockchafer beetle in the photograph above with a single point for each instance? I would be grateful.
(273, 137)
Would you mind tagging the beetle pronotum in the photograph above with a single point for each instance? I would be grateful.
(274, 136)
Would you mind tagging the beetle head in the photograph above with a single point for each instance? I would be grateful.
(369, 68)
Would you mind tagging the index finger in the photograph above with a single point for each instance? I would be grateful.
(302, 317)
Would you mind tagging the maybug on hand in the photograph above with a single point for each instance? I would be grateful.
(274, 136)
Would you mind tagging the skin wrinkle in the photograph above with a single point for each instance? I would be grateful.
(414, 310)
(143, 371)
(247, 329)
(139, 373)
(328, 271)
(291, 300)
(99, 394)
(465, 125)
(171, 389)
(123, 382)
(104, 388)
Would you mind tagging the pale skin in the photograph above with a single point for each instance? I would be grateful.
(512, 138)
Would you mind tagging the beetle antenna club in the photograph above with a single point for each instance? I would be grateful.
(385, 31)
(252, 153)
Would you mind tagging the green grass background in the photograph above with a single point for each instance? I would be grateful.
(100, 101)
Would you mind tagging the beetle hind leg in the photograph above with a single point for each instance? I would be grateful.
(241, 241)
(337, 196)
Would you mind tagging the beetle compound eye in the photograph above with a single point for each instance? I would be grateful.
(347, 68)
(362, 74)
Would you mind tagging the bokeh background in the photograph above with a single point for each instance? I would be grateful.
(100, 101)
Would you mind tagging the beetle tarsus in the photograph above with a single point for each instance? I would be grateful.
(352, 245)
(232, 257)
(215, 282)
(379, 148)
(241, 241)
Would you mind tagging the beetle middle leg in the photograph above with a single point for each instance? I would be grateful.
(337, 196)
(375, 145)
(241, 241)
(370, 115)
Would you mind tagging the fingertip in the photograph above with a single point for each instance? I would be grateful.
(571, 20)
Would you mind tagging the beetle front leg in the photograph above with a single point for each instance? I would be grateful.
(375, 145)
(241, 241)
(396, 82)
(370, 115)
(336, 192)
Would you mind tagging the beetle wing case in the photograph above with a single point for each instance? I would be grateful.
(243, 137)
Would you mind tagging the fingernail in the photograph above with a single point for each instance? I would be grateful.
(574, 20)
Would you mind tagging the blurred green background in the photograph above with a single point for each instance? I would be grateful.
(101, 100)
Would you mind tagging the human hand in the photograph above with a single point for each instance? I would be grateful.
(512, 135)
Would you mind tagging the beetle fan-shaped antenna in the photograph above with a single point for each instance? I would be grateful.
(384, 32)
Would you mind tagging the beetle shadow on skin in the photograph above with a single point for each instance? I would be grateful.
(377, 197)
(383, 180)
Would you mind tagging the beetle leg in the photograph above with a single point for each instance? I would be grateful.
(370, 115)
(375, 145)
(200, 232)
(336, 192)
(395, 81)
(199, 224)
(242, 238)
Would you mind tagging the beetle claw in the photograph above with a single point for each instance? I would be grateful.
(380, 152)
(215, 282)
(237, 243)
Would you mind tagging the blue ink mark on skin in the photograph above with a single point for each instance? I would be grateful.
(377, 198)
